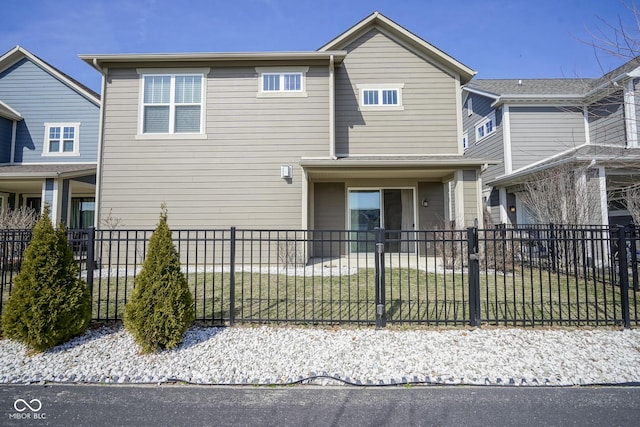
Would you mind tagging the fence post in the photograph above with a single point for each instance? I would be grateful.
(623, 274)
(552, 247)
(380, 272)
(91, 239)
(232, 276)
(474, 276)
(634, 255)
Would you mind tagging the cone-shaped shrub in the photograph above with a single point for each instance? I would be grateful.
(48, 304)
(161, 307)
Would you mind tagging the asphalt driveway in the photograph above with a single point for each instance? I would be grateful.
(182, 405)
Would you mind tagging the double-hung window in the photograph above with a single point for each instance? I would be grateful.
(486, 127)
(172, 103)
(286, 81)
(61, 139)
(381, 96)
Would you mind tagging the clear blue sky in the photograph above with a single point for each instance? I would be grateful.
(497, 38)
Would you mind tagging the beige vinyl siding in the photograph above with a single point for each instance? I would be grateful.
(432, 216)
(606, 121)
(426, 125)
(540, 132)
(469, 181)
(231, 178)
(329, 202)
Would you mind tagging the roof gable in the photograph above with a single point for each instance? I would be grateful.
(388, 27)
(18, 53)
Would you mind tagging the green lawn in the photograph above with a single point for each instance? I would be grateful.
(525, 297)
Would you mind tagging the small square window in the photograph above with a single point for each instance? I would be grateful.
(61, 139)
(486, 127)
(370, 97)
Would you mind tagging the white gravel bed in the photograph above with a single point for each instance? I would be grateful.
(284, 355)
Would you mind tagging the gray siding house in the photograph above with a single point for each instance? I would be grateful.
(540, 124)
(48, 139)
(362, 133)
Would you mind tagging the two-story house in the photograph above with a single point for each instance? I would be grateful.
(48, 139)
(364, 132)
(536, 125)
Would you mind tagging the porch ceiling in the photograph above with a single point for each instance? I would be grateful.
(386, 173)
(34, 186)
(418, 167)
(28, 179)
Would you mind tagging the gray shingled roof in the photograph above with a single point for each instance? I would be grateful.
(498, 87)
(45, 171)
(610, 155)
(570, 87)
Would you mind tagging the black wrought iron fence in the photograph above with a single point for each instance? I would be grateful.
(525, 276)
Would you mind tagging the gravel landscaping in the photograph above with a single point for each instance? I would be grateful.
(362, 356)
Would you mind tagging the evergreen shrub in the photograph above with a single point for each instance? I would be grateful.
(49, 304)
(161, 307)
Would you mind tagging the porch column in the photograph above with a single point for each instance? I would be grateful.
(604, 209)
(504, 215)
(459, 198)
(630, 114)
(52, 191)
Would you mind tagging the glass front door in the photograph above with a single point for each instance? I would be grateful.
(370, 209)
(365, 215)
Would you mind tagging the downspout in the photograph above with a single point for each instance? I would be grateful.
(332, 109)
(98, 204)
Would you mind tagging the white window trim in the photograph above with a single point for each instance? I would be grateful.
(76, 140)
(142, 72)
(465, 140)
(470, 106)
(281, 71)
(481, 124)
(380, 87)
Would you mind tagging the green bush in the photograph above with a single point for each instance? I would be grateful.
(161, 307)
(48, 304)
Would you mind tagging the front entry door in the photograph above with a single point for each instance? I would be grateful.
(370, 209)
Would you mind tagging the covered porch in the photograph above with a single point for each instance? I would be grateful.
(68, 190)
(400, 194)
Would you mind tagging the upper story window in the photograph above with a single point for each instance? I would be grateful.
(285, 82)
(282, 81)
(61, 139)
(469, 106)
(486, 127)
(172, 102)
(381, 96)
(465, 141)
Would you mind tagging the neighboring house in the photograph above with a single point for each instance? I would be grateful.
(48, 139)
(533, 125)
(362, 133)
